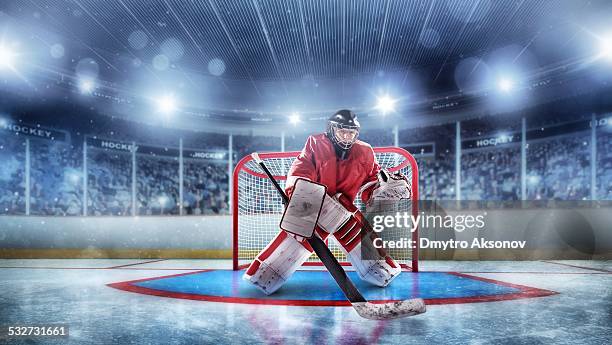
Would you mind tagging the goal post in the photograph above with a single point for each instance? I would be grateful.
(257, 208)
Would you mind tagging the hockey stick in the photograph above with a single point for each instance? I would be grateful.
(365, 309)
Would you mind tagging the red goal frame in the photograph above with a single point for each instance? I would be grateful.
(241, 166)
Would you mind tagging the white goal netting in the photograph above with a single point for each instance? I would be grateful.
(258, 208)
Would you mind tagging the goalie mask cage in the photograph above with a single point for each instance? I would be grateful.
(257, 208)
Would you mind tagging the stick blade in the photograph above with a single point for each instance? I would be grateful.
(392, 310)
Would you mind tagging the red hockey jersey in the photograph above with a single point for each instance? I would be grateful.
(318, 162)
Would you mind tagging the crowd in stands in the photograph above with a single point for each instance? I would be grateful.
(246, 144)
(428, 134)
(109, 183)
(206, 188)
(157, 189)
(55, 178)
(12, 174)
(436, 172)
(378, 137)
(558, 168)
(437, 177)
(491, 174)
(296, 141)
(157, 185)
(488, 125)
(604, 165)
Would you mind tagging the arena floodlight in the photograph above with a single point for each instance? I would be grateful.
(167, 104)
(86, 85)
(606, 47)
(505, 84)
(7, 57)
(386, 104)
(294, 118)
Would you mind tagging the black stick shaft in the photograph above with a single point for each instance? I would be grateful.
(335, 269)
(322, 251)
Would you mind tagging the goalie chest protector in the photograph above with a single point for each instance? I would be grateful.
(318, 162)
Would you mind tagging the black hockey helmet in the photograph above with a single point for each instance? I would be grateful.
(343, 130)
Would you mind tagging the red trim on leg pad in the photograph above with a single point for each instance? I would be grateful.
(348, 204)
(306, 245)
(346, 239)
(360, 217)
(350, 225)
(390, 262)
(253, 268)
(272, 247)
(322, 233)
(352, 244)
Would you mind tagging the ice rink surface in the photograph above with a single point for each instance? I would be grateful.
(75, 293)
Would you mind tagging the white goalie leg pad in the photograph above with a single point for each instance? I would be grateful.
(333, 215)
(377, 272)
(277, 262)
(372, 264)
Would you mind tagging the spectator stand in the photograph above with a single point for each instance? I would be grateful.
(604, 158)
(135, 179)
(12, 173)
(559, 162)
(125, 178)
(38, 170)
(436, 171)
(109, 179)
(206, 182)
(491, 167)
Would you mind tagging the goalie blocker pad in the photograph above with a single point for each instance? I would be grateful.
(302, 212)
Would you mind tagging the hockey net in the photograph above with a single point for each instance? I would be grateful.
(257, 208)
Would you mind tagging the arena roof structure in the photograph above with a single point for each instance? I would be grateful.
(260, 61)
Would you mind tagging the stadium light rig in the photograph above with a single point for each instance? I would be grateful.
(606, 47)
(294, 118)
(86, 86)
(167, 104)
(505, 84)
(7, 57)
(385, 104)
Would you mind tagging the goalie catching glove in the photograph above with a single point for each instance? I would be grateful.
(388, 187)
